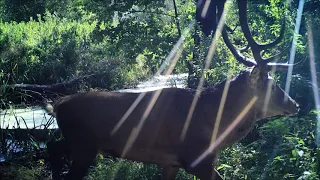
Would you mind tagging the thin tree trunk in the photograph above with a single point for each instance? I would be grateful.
(184, 55)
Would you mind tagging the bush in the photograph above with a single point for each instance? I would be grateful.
(286, 150)
(54, 49)
(119, 169)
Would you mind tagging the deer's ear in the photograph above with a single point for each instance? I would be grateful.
(256, 76)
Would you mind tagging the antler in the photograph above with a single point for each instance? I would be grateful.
(255, 47)
(236, 53)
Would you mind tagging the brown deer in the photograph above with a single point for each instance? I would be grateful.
(93, 122)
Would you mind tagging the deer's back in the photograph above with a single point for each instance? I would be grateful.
(93, 116)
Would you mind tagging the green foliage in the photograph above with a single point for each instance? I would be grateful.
(53, 48)
(28, 171)
(17, 10)
(119, 169)
(286, 150)
(61, 45)
(41, 51)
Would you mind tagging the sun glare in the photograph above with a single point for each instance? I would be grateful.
(135, 131)
(315, 86)
(170, 58)
(225, 133)
(293, 47)
(209, 57)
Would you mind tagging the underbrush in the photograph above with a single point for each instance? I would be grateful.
(53, 49)
(32, 170)
(120, 169)
(285, 148)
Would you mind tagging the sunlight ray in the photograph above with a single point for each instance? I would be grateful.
(226, 132)
(293, 47)
(169, 59)
(315, 86)
(268, 93)
(205, 8)
(221, 108)
(212, 48)
(135, 131)
(175, 49)
(128, 112)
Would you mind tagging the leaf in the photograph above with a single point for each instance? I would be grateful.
(294, 153)
(223, 166)
(293, 159)
(301, 142)
(35, 144)
(300, 153)
(278, 158)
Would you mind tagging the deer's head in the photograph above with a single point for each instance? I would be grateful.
(272, 100)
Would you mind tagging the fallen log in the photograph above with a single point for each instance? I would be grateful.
(61, 88)
(34, 94)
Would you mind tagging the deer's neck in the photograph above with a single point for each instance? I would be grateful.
(238, 96)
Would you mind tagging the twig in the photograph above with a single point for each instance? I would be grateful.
(176, 17)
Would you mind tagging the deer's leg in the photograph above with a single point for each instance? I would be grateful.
(217, 175)
(207, 173)
(82, 157)
(214, 175)
(57, 151)
(205, 170)
(169, 173)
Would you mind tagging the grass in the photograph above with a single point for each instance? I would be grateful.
(31, 168)
(24, 169)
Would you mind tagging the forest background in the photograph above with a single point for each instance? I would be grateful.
(124, 42)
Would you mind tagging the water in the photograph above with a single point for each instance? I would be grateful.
(13, 147)
(32, 117)
(2, 158)
(159, 82)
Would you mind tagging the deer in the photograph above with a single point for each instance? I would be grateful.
(98, 121)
